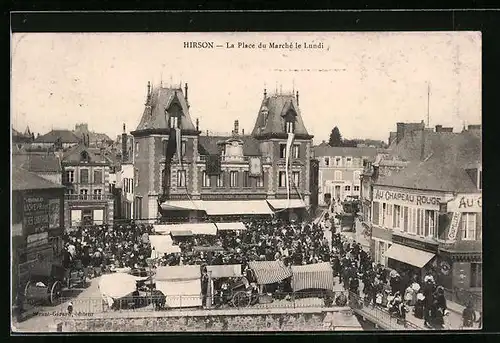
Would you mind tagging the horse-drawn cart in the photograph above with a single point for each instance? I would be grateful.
(45, 283)
(230, 287)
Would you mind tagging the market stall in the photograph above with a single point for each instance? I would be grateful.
(312, 277)
(181, 285)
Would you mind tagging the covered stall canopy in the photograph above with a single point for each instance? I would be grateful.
(225, 271)
(163, 245)
(237, 226)
(312, 276)
(268, 272)
(195, 228)
(212, 248)
(116, 286)
(182, 205)
(414, 257)
(279, 204)
(181, 285)
(232, 208)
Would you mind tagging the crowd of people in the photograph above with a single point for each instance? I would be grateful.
(107, 247)
(300, 243)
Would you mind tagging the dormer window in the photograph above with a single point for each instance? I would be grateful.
(84, 156)
(174, 122)
(289, 126)
(265, 115)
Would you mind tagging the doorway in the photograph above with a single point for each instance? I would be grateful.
(87, 217)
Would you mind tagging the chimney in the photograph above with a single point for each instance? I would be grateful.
(265, 93)
(236, 127)
(186, 91)
(297, 96)
(148, 97)
(242, 132)
(124, 145)
(439, 128)
(400, 129)
(422, 146)
(197, 124)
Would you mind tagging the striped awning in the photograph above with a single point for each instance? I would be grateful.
(312, 276)
(223, 271)
(267, 272)
(231, 226)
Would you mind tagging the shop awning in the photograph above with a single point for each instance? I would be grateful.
(182, 205)
(228, 270)
(195, 228)
(231, 226)
(170, 273)
(312, 276)
(245, 207)
(279, 204)
(417, 258)
(181, 233)
(267, 272)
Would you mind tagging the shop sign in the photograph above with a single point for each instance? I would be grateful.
(36, 214)
(466, 203)
(37, 239)
(406, 198)
(412, 243)
(454, 225)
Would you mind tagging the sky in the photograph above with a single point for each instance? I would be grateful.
(363, 82)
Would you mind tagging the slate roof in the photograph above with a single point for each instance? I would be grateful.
(278, 105)
(463, 147)
(51, 137)
(93, 136)
(74, 154)
(156, 115)
(33, 162)
(326, 150)
(209, 145)
(25, 180)
(433, 174)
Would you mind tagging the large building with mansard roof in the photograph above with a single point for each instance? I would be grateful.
(182, 189)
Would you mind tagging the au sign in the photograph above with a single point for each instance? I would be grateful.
(466, 203)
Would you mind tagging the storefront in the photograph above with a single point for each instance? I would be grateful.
(412, 255)
(461, 242)
(405, 227)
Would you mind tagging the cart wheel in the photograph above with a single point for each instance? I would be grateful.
(55, 292)
(241, 299)
(28, 284)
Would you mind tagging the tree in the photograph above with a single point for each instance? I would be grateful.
(335, 137)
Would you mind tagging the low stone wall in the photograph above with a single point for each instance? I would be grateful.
(319, 320)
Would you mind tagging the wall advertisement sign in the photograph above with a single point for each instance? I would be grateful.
(454, 225)
(466, 203)
(40, 214)
(405, 198)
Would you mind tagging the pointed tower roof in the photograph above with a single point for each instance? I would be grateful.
(159, 104)
(27, 132)
(276, 108)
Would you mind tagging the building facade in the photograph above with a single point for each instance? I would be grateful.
(86, 176)
(37, 223)
(340, 170)
(186, 183)
(426, 214)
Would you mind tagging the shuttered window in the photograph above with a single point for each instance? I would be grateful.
(375, 215)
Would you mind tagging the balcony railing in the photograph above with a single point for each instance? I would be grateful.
(89, 197)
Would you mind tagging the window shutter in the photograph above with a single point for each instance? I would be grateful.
(375, 208)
